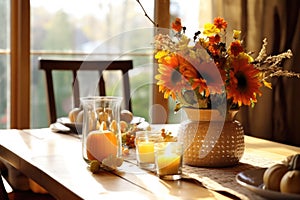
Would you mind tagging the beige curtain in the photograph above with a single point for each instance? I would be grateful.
(277, 114)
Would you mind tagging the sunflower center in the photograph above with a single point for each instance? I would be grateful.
(242, 81)
(175, 77)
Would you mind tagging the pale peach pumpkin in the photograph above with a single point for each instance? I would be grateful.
(101, 144)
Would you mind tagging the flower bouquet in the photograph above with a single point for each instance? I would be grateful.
(203, 72)
(210, 80)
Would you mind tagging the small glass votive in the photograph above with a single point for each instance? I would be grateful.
(168, 160)
(144, 144)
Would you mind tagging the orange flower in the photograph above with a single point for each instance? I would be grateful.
(244, 82)
(220, 23)
(176, 25)
(236, 48)
(214, 39)
(214, 49)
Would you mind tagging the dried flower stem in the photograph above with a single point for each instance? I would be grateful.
(284, 73)
(262, 54)
(153, 22)
(268, 65)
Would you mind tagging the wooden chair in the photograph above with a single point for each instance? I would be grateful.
(3, 192)
(75, 65)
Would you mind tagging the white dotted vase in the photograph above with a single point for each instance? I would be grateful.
(210, 139)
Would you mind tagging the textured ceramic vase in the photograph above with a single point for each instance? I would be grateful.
(210, 139)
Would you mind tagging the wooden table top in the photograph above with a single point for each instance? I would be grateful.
(54, 161)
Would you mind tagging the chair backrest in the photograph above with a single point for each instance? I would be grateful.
(89, 65)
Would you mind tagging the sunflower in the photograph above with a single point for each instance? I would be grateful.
(208, 79)
(170, 80)
(244, 82)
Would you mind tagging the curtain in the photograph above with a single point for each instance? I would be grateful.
(276, 116)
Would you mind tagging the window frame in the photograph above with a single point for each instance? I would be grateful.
(20, 64)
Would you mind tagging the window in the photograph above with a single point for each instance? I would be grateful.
(73, 28)
(193, 16)
(4, 63)
(95, 29)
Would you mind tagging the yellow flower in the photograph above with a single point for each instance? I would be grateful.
(210, 29)
(236, 34)
(161, 54)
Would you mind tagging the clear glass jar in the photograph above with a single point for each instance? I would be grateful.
(101, 135)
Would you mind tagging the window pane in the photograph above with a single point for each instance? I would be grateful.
(4, 63)
(97, 29)
(194, 14)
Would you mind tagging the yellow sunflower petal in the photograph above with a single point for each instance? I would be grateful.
(244, 55)
(267, 84)
(160, 55)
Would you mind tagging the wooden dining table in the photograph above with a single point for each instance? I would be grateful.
(54, 161)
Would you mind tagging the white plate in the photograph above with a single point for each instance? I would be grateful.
(78, 126)
(75, 127)
(253, 180)
(137, 120)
